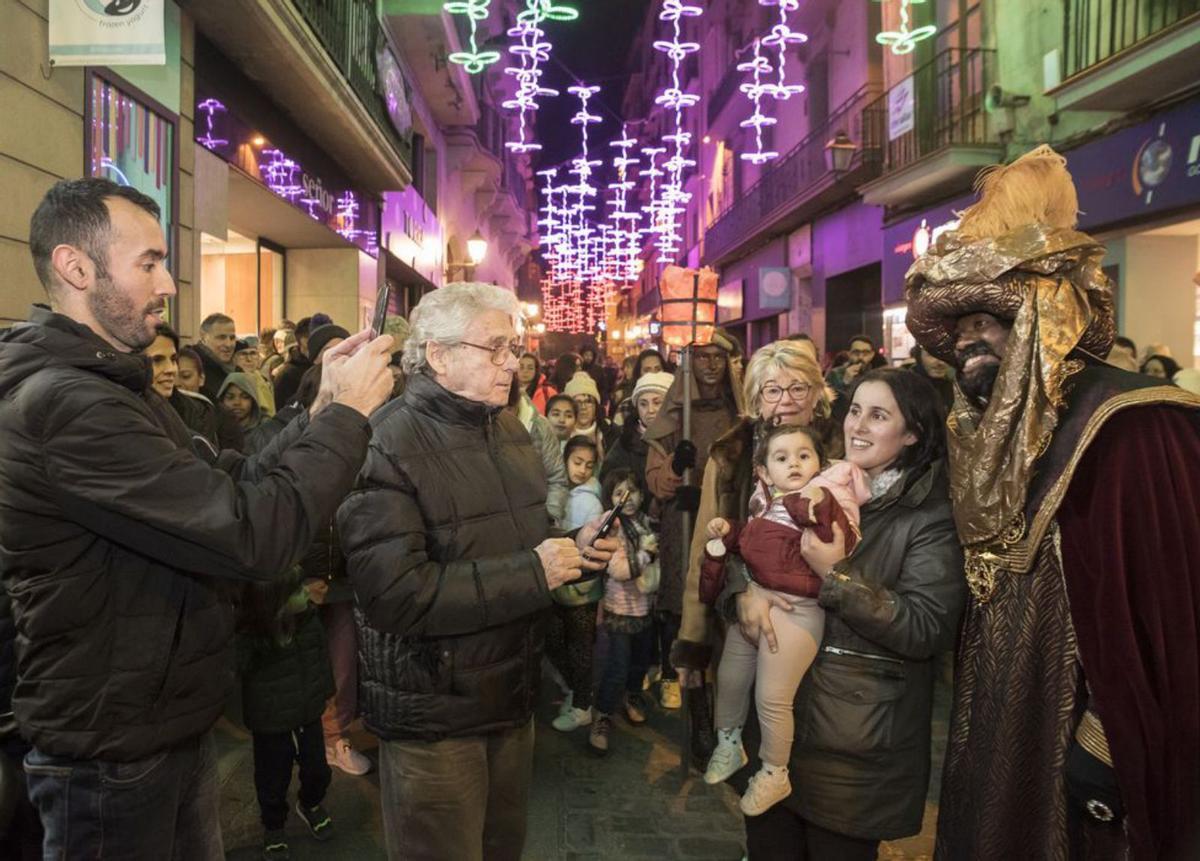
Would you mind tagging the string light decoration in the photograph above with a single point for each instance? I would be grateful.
(673, 202)
(532, 50)
(780, 37)
(624, 222)
(472, 59)
(904, 40)
(755, 90)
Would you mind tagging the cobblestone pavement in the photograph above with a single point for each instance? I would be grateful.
(629, 805)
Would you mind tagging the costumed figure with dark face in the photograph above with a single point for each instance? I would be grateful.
(1075, 730)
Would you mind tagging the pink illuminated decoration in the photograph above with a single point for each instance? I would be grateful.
(624, 229)
(755, 91)
(532, 50)
(674, 199)
(210, 107)
(780, 37)
(472, 59)
(279, 173)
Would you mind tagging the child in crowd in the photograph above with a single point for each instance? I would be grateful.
(572, 635)
(286, 679)
(560, 412)
(794, 500)
(629, 586)
(589, 421)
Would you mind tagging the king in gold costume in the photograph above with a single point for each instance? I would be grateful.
(1076, 723)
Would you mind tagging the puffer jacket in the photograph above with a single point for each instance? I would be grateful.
(114, 541)
(861, 757)
(439, 537)
(285, 685)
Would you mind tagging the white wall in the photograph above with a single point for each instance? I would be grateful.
(1158, 296)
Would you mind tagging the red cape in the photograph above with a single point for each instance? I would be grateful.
(1130, 526)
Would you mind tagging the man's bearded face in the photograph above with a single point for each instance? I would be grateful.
(978, 353)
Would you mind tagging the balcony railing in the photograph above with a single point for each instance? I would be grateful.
(788, 182)
(1095, 30)
(947, 107)
(349, 30)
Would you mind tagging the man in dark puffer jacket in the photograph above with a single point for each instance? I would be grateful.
(447, 549)
(115, 537)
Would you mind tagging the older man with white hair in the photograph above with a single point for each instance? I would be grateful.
(449, 550)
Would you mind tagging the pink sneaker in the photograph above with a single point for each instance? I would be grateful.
(344, 756)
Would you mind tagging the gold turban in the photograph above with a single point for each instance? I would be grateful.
(1017, 256)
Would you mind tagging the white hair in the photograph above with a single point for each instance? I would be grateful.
(442, 317)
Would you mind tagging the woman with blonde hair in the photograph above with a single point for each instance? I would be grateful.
(783, 385)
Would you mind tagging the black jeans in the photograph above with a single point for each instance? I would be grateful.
(780, 835)
(274, 754)
(160, 807)
(667, 625)
(624, 668)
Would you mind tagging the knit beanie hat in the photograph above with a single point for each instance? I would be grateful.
(657, 382)
(319, 337)
(582, 384)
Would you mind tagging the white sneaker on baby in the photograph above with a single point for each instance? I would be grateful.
(727, 757)
(767, 788)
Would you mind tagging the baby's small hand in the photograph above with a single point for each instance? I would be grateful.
(816, 494)
(718, 527)
(649, 543)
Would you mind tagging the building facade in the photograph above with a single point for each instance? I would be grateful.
(303, 152)
(803, 243)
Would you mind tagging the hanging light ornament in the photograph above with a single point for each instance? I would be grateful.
(532, 50)
(673, 98)
(624, 230)
(904, 41)
(754, 91)
(780, 37)
(472, 59)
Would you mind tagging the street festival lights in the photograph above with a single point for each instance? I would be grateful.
(673, 98)
(472, 59)
(904, 41)
(755, 90)
(533, 50)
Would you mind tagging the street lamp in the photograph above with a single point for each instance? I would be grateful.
(477, 248)
(531, 309)
(839, 152)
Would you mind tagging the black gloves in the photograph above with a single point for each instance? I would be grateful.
(1093, 786)
(687, 498)
(684, 457)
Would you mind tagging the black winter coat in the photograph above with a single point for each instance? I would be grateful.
(114, 541)
(439, 539)
(285, 687)
(861, 757)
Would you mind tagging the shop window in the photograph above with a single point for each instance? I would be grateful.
(132, 140)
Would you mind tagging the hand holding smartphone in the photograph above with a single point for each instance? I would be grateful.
(605, 528)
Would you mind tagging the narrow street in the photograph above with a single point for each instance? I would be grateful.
(627, 806)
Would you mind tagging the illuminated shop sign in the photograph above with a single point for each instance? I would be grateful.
(348, 212)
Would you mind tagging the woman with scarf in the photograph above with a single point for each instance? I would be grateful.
(860, 760)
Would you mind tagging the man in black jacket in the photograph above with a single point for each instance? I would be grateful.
(218, 342)
(115, 538)
(448, 549)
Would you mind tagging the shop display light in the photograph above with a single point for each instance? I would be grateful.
(472, 59)
(904, 40)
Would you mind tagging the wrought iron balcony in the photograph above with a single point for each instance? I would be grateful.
(946, 109)
(349, 30)
(1097, 30)
(796, 180)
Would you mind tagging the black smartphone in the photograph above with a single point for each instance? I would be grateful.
(379, 320)
(605, 528)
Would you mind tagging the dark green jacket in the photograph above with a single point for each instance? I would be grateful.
(861, 758)
(285, 686)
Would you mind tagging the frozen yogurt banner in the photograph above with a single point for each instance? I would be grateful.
(107, 33)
